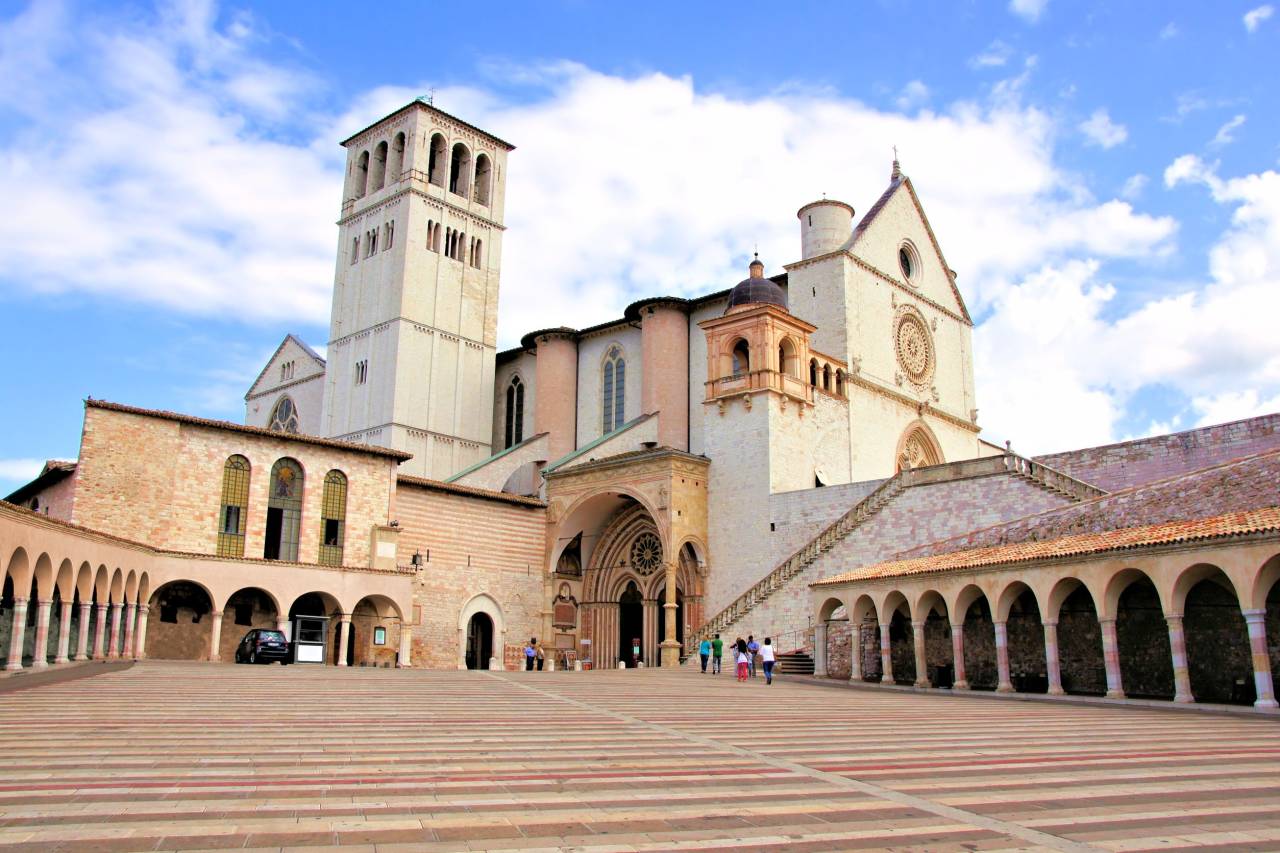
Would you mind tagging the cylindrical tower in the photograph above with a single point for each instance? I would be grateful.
(664, 340)
(825, 226)
(555, 391)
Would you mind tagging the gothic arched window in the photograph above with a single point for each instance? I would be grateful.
(284, 511)
(235, 500)
(333, 518)
(378, 177)
(484, 174)
(614, 397)
(396, 164)
(460, 170)
(515, 412)
(284, 418)
(435, 162)
(362, 174)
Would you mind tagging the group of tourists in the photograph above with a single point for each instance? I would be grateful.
(745, 655)
(533, 655)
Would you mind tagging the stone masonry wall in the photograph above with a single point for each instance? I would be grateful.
(1132, 463)
(918, 514)
(1245, 484)
(476, 546)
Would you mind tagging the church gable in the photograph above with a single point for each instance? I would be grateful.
(895, 237)
(292, 361)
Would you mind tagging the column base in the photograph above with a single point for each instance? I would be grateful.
(1184, 699)
(1057, 691)
(923, 683)
(670, 653)
(855, 679)
(39, 664)
(960, 685)
(1266, 703)
(62, 660)
(1004, 688)
(12, 667)
(1115, 694)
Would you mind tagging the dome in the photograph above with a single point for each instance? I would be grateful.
(756, 290)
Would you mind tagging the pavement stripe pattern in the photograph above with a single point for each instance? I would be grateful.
(173, 756)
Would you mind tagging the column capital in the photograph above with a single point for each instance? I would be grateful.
(1109, 620)
(1172, 617)
(957, 629)
(144, 608)
(919, 626)
(1255, 615)
(19, 601)
(1049, 623)
(44, 602)
(344, 618)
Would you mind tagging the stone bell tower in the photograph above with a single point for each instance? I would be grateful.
(413, 330)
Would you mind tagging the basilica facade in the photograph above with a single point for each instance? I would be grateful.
(700, 464)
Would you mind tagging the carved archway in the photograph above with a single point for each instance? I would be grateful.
(917, 448)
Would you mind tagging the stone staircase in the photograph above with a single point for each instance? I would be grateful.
(795, 663)
(1041, 476)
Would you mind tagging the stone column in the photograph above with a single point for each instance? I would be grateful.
(40, 654)
(82, 636)
(886, 655)
(140, 638)
(215, 635)
(1257, 622)
(406, 645)
(671, 646)
(855, 651)
(1004, 685)
(957, 652)
(99, 630)
(344, 629)
(1052, 664)
(113, 651)
(1111, 658)
(1178, 648)
(462, 649)
(820, 650)
(922, 659)
(17, 634)
(64, 633)
(130, 628)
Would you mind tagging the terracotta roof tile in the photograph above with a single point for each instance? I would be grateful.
(1215, 527)
(470, 491)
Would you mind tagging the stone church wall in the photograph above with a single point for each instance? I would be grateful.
(591, 352)
(1133, 463)
(471, 545)
(919, 514)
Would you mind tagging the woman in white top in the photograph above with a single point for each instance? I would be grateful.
(766, 655)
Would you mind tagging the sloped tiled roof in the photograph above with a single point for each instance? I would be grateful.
(470, 491)
(1254, 521)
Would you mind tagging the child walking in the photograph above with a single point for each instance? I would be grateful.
(741, 657)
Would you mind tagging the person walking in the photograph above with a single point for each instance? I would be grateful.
(539, 654)
(717, 654)
(704, 652)
(741, 658)
(529, 654)
(767, 659)
(753, 649)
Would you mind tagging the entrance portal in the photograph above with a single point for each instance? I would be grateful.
(479, 641)
(630, 625)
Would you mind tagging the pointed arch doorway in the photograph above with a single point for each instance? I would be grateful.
(631, 625)
(479, 641)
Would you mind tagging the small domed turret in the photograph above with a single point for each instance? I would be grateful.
(756, 289)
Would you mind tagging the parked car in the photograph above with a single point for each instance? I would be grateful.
(263, 645)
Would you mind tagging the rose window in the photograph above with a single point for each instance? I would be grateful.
(915, 348)
(646, 554)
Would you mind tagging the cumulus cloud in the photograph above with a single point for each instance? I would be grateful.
(15, 472)
(1211, 340)
(1028, 10)
(1254, 17)
(914, 94)
(1100, 130)
(1133, 186)
(1226, 133)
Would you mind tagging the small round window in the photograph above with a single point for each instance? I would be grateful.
(907, 260)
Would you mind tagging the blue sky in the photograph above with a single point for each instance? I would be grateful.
(1102, 176)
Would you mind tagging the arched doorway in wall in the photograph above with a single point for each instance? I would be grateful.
(180, 626)
(246, 609)
(631, 625)
(479, 641)
(320, 604)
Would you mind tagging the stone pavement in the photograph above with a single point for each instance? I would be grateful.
(174, 756)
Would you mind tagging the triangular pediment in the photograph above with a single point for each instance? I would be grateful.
(897, 219)
(307, 363)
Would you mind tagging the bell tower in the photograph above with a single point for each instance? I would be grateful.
(413, 329)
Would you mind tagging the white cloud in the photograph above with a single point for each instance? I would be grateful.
(913, 94)
(996, 55)
(1029, 10)
(1169, 30)
(1134, 186)
(1254, 17)
(16, 472)
(1213, 341)
(1226, 133)
(1100, 130)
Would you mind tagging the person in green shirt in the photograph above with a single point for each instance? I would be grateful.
(717, 651)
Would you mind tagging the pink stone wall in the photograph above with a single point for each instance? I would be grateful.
(555, 403)
(1132, 463)
(665, 376)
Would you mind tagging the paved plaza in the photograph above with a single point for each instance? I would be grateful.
(172, 756)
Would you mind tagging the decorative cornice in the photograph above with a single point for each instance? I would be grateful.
(923, 408)
(357, 212)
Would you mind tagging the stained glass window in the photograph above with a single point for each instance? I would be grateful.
(235, 498)
(285, 416)
(333, 518)
(614, 391)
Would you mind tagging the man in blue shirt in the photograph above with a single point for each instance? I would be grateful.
(704, 652)
(753, 649)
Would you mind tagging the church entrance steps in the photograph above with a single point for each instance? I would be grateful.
(795, 663)
(801, 564)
